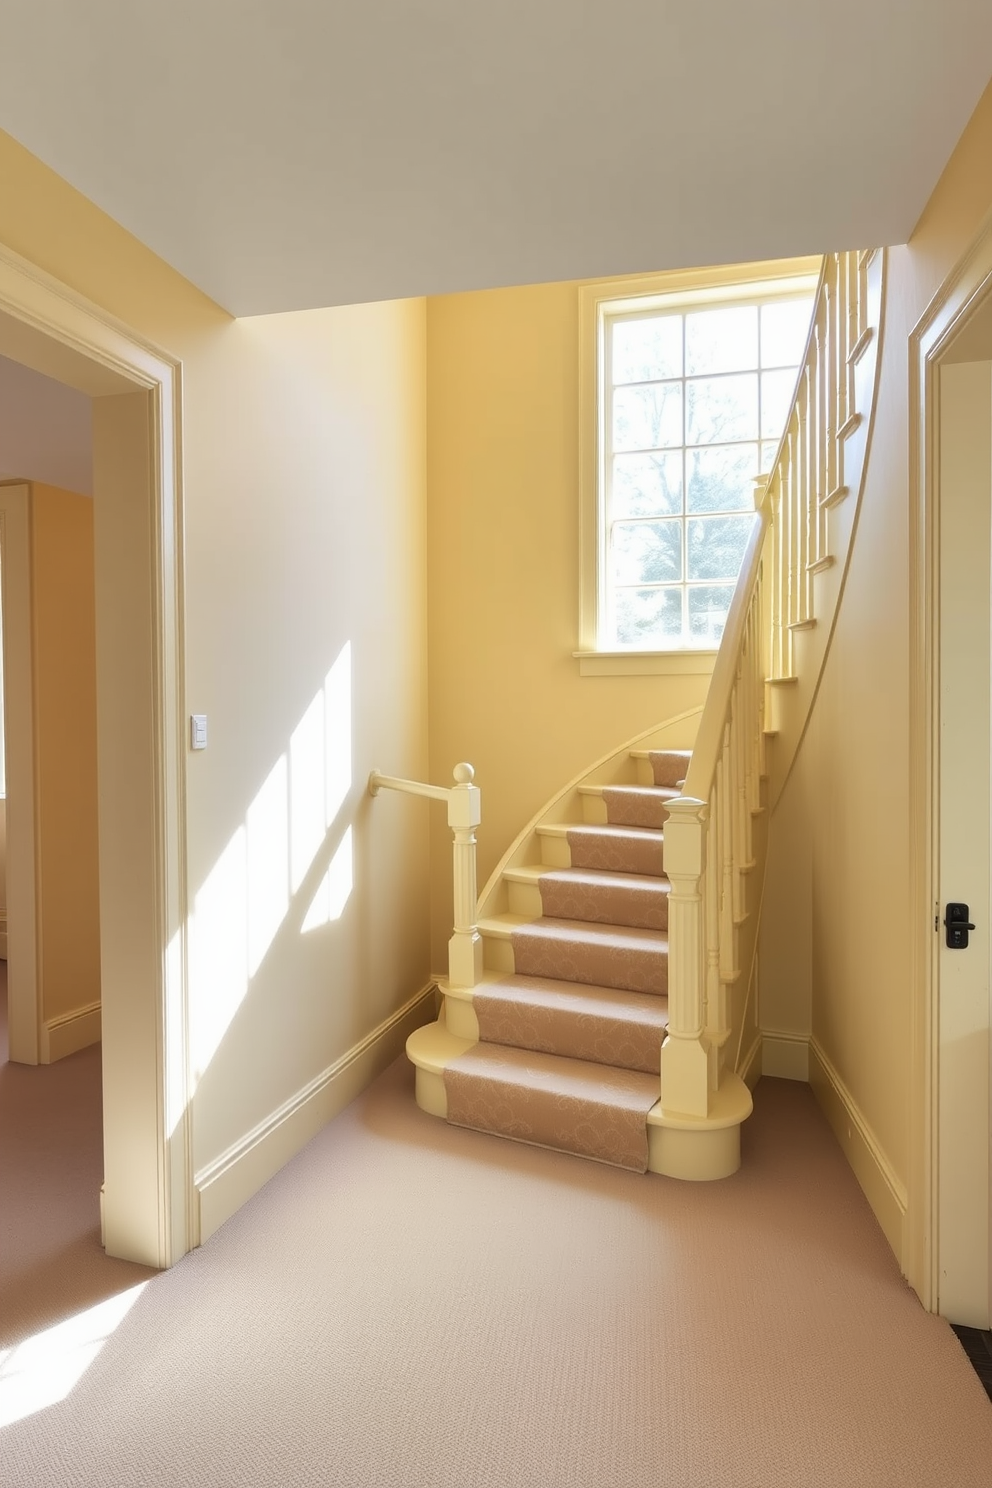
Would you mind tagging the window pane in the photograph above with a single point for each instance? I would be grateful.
(647, 485)
(768, 453)
(777, 389)
(708, 606)
(647, 350)
(784, 329)
(647, 417)
(647, 552)
(722, 340)
(719, 478)
(646, 615)
(720, 409)
(716, 546)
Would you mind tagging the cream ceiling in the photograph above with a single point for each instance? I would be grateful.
(292, 153)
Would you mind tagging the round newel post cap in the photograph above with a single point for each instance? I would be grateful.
(464, 774)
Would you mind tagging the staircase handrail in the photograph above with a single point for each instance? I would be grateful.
(714, 854)
(464, 802)
(716, 710)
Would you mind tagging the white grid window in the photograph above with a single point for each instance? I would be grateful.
(693, 404)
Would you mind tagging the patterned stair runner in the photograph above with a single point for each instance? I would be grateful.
(570, 1042)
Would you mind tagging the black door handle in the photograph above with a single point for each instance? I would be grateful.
(958, 926)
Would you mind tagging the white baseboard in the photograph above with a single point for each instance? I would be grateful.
(231, 1179)
(750, 1069)
(883, 1189)
(69, 1033)
(785, 1056)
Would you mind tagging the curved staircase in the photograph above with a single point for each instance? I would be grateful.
(559, 1044)
(600, 1002)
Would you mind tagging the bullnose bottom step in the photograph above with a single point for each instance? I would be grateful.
(570, 1105)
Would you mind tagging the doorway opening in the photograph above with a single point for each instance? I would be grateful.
(949, 1230)
(149, 1213)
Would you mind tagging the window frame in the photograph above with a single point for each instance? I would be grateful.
(599, 300)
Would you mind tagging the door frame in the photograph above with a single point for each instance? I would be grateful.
(149, 1207)
(966, 291)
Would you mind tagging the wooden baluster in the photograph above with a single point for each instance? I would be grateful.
(831, 380)
(802, 504)
(775, 585)
(821, 428)
(727, 928)
(853, 327)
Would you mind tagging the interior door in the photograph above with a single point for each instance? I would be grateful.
(963, 841)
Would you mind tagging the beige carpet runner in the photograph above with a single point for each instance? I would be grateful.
(570, 1042)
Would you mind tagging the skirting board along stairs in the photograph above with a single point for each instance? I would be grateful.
(559, 1045)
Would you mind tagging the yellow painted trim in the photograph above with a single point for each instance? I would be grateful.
(966, 289)
(881, 1184)
(223, 1185)
(645, 663)
(48, 325)
(750, 1069)
(70, 1033)
(684, 286)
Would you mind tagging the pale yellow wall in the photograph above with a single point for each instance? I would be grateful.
(505, 690)
(838, 894)
(64, 656)
(304, 486)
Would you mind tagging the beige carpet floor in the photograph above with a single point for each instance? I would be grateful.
(416, 1305)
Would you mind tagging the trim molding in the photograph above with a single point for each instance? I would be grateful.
(223, 1185)
(70, 1032)
(149, 1190)
(750, 1069)
(882, 1187)
(964, 291)
(785, 1056)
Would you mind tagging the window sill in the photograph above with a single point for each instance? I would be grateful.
(645, 663)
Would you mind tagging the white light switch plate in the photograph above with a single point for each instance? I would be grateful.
(198, 731)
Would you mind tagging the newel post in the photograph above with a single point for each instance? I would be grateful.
(685, 1079)
(464, 815)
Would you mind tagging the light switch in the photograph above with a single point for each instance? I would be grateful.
(198, 731)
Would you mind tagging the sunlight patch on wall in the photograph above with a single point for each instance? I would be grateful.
(245, 899)
(219, 950)
(337, 734)
(267, 823)
(335, 889)
(43, 1369)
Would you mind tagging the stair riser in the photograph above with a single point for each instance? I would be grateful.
(460, 1018)
(633, 811)
(616, 857)
(596, 1040)
(636, 909)
(562, 960)
(555, 851)
(497, 955)
(525, 900)
(594, 811)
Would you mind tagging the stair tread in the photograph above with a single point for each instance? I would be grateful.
(593, 877)
(601, 1084)
(578, 997)
(587, 932)
(614, 829)
(551, 1100)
